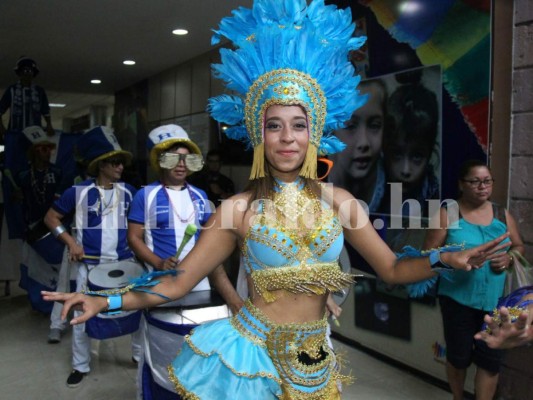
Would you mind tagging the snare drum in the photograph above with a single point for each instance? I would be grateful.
(166, 327)
(113, 275)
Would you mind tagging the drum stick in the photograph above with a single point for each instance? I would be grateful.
(98, 258)
(190, 230)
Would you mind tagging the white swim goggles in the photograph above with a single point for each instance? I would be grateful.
(193, 162)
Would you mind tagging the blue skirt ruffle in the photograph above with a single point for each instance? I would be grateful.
(251, 357)
(216, 360)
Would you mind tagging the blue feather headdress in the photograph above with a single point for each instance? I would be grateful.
(287, 53)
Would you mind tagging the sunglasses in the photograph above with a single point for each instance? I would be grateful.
(323, 168)
(193, 162)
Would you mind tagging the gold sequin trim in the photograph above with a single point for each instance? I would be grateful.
(184, 393)
(269, 325)
(261, 374)
(315, 279)
(514, 313)
(310, 96)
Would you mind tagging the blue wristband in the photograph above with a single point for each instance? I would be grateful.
(114, 304)
(434, 258)
(436, 264)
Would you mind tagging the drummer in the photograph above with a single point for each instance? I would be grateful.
(100, 205)
(39, 184)
(36, 188)
(161, 211)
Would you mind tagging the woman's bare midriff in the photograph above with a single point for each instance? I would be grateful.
(292, 308)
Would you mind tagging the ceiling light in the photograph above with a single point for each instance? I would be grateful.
(180, 32)
(128, 62)
(96, 81)
(58, 105)
(410, 7)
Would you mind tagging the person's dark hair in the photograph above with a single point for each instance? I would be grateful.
(412, 114)
(364, 85)
(467, 166)
(213, 152)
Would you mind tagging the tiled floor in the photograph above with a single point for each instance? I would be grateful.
(31, 369)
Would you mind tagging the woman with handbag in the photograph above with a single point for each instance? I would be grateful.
(465, 297)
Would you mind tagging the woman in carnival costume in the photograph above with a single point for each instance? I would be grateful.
(294, 85)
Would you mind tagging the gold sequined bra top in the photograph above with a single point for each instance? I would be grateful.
(294, 244)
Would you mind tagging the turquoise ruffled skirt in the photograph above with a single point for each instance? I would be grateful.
(249, 357)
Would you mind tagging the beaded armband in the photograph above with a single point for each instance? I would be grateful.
(140, 284)
(514, 303)
(419, 289)
(306, 278)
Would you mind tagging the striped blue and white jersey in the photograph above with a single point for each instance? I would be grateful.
(100, 219)
(27, 104)
(165, 214)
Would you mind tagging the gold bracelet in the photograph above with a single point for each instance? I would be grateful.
(511, 259)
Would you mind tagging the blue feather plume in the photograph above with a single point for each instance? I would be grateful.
(143, 282)
(149, 279)
(330, 144)
(419, 289)
(238, 133)
(226, 109)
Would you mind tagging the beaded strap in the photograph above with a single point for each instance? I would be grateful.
(419, 289)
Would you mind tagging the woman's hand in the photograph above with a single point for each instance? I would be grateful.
(89, 305)
(500, 262)
(507, 334)
(476, 256)
(333, 308)
(235, 306)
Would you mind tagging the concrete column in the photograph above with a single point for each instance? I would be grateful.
(516, 378)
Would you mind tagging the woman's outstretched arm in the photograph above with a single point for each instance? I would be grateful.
(360, 233)
(216, 243)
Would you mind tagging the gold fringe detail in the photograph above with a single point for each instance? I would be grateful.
(317, 279)
(308, 169)
(258, 165)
